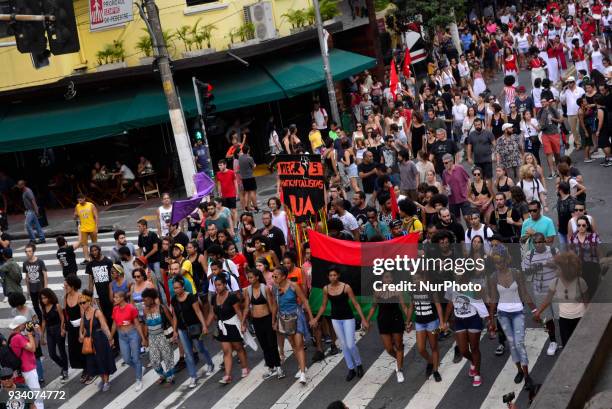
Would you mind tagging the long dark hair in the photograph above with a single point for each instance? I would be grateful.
(258, 274)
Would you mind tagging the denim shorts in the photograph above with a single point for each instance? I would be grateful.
(470, 324)
(430, 326)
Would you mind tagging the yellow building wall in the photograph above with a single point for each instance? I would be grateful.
(17, 71)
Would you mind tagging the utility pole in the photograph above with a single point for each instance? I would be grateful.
(331, 91)
(150, 15)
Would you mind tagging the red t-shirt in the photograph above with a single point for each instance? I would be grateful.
(239, 259)
(125, 315)
(227, 181)
(28, 359)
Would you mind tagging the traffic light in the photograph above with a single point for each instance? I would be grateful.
(62, 32)
(29, 35)
(209, 109)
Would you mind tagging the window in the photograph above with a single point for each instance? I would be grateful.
(196, 2)
(4, 25)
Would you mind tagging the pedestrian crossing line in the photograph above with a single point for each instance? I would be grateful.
(130, 394)
(131, 235)
(432, 392)
(376, 376)
(88, 391)
(183, 392)
(20, 255)
(247, 385)
(297, 393)
(535, 338)
(57, 384)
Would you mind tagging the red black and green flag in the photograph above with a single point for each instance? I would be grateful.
(354, 261)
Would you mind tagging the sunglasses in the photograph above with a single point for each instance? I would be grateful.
(534, 210)
(447, 162)
(582, 225)
(358, 126)
(83, 302)
(476, 174)
(577, 209)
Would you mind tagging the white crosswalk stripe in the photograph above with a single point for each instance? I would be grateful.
(319, 375)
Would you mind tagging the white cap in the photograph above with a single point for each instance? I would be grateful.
(506, 126)
(17, 321)
(570, 79)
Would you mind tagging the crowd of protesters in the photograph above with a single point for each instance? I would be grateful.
(443, 158)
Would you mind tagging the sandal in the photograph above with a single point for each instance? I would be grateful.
(245, 372)
(161, 380)
(225, 380)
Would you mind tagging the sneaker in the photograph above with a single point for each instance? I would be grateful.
(334, 350)
(437, 376)
(138, 386)
(588, 160)
(64, 378)
(225, 380)
(400, 376)
(280, 374)
(428, 371)
(41, 382)
(298, 374)
(123, 363)
(607, 163)
(210, 369)
(90, 379)
(303, 378)
(318, 356)
(472, 371)
(519, 377)
(360, 370)
(106, 387)
(457, 355)
(245, 372)
(499, 351)
(193, 383)
(271, 372)
(552, 349)
(598, 155)
(476, 381)
(83, 377)
(550, 177)
(100, 384)
(350, 375)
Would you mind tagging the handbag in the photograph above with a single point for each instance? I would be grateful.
(88, 345)
(194, 330)
(287, 323)
(166, 325)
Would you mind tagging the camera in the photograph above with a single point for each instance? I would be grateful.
(29, 326)
(508, 398)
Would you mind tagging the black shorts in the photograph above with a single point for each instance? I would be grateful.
(487, 169)
(229, 202)
(604, 142)
(249, 185)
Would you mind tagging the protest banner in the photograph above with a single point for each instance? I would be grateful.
(302, 185)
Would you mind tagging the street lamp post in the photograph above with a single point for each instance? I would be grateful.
(331, 91)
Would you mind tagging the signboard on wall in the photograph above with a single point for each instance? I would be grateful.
(109, 13)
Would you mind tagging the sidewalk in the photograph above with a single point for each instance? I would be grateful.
(122, 215)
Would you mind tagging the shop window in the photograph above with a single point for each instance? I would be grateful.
(198, 2)
(4, 9)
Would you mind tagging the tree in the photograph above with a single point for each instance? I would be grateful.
(435, 13)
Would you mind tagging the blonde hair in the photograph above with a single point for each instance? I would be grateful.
(525, 170)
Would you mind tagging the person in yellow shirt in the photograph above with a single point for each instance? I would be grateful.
(186, 268)
(316, 140)
(87, 215)
(410, 221)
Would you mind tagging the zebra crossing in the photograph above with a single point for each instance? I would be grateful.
(46, 252)
(377, 388)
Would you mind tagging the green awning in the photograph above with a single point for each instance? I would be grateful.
(34, 126)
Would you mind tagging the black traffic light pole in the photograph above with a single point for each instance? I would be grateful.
(26, 17)
(196, 88)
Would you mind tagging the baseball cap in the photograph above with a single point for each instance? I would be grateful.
(6, 373)
(395, 223)
(521, 88)
(17, 321)
(506, 126)
(570, 79)
(179, 246)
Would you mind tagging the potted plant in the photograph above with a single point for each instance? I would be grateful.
(329, 10)
(297, 19)
(145, 46)
(111, 57)
(184, 34)
(309, 14)
(200, 36)
(246, 32)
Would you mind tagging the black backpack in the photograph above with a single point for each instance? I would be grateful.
(8, 359)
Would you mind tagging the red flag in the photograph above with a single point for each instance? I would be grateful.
(394, 206)
(393, 80)
(407, 62)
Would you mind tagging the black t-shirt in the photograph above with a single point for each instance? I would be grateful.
(499, 220)
(360, 214)
(180, 238)
(146, 244)
(226, 310)
(369, 181)
(441, 148)
(21, 391)
(67, 260)
(185, 314)
(424, 308)
(564, 212)
(100, 270)
(276, 239)
(455, 228)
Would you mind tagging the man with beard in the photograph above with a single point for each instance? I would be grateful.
(99, 271)
(480, 146)
(120, 241)
(501, 220)
(275, 235)
(360, 208)
(447, 222)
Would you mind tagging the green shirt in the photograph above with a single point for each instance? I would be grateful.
(333, 135)
(10, 274)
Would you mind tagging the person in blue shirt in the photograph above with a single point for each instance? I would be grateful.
(374, 227)
(466, 40)
(175, 273)
(537, 223)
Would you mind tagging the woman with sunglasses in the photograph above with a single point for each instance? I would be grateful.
(72, 311)
(579, 210)
(530, 129)
(126, 323)
(569, 291)
(360, 149)
(140, 284)
(226, 310)
(358, 132)
(585, 243)
(478, 194)
(93, 324)
(508, 292)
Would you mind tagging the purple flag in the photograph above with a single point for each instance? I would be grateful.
(183, 208)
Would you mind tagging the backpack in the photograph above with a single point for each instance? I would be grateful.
(486, 233)
(8, 359)
(535, 189)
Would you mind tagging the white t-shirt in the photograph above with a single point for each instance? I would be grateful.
(126, 173)
(165, 216)
(532, 189)
(570, 98)
(348, 221)
(319, 117)
(459, 112)
(536, 94)
(528, 129)
(462, 304)
(470, 233)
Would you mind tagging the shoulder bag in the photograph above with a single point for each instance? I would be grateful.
(88, 345)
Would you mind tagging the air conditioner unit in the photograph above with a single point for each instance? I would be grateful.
(262, 17)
